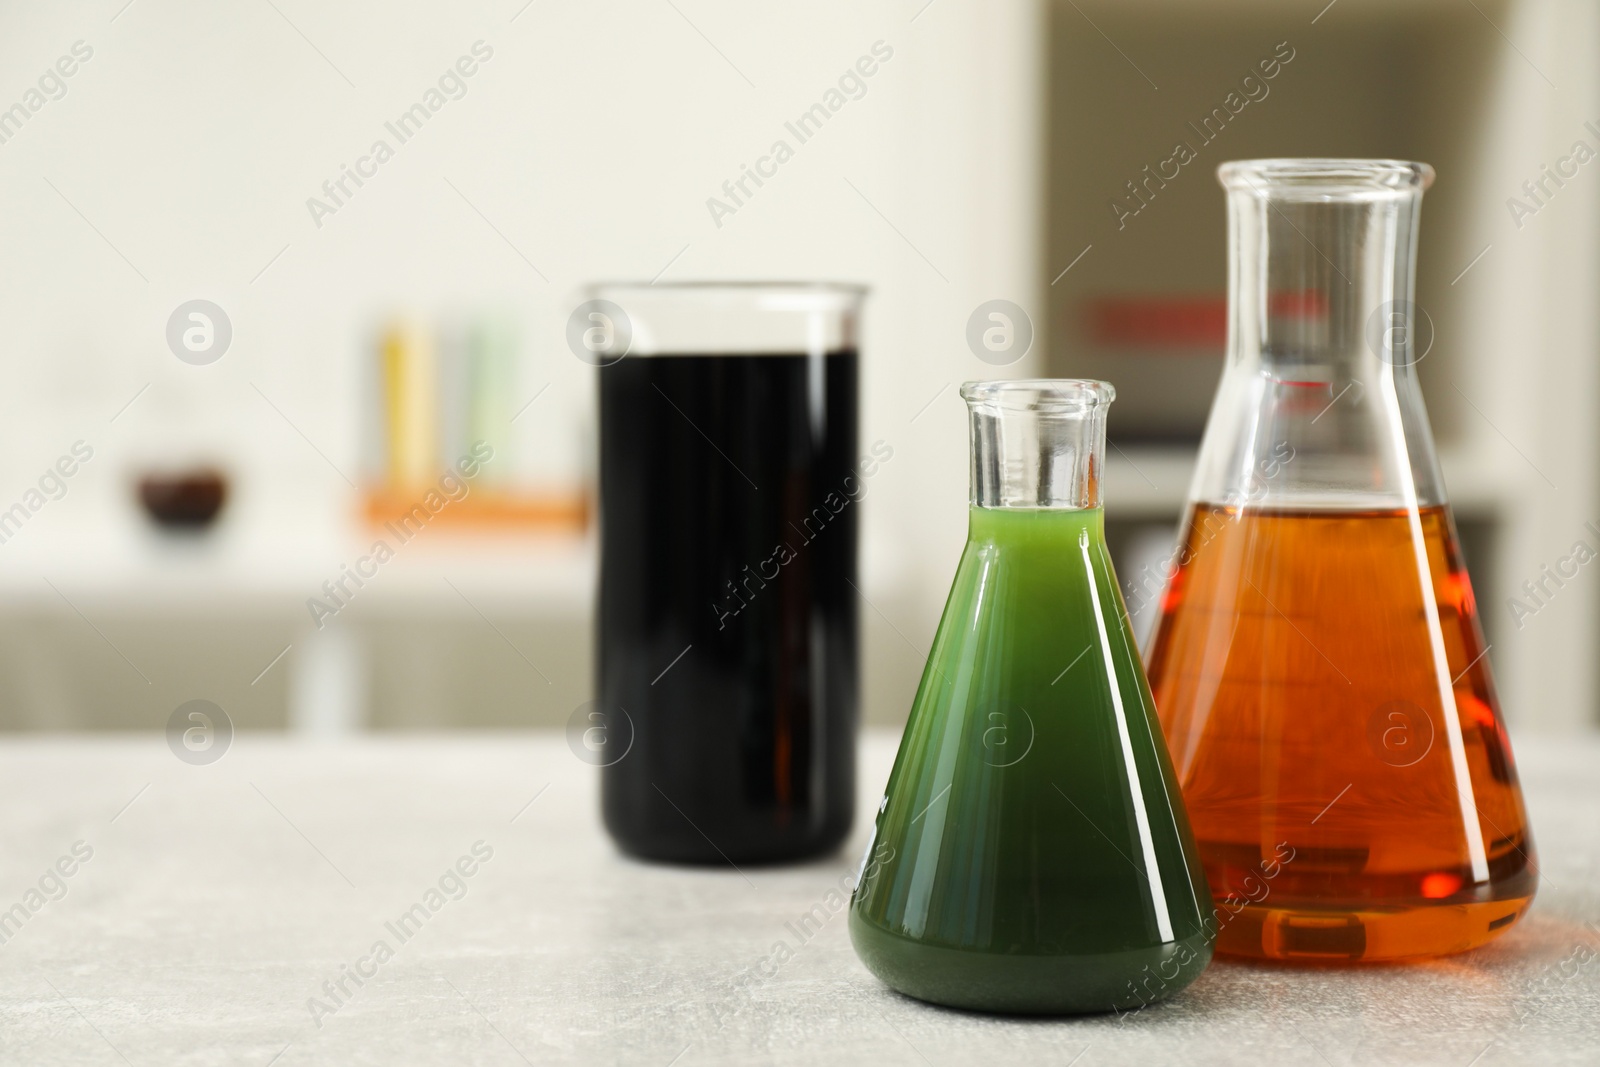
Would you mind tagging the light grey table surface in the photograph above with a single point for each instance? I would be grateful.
(218, 900)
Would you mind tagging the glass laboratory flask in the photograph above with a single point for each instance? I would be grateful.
(1318, 663)
(1031, 852)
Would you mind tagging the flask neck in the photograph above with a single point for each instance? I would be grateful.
(1319, 404)
(1323, 266)
(1037, 444)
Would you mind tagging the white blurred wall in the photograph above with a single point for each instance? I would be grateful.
(179, 161)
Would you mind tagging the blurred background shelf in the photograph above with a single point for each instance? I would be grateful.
(516, 574)
(1487, 93)
(983, 161)
(1151, 482)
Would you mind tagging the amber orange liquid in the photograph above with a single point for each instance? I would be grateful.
(1294, 673)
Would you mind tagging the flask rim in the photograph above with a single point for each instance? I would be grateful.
(1325, 177)
(1040, 396)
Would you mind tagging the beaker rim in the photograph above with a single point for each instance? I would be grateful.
(1326, 177)
(767, 295)
(1045, 396)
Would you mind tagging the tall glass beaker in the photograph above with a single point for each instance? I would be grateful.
(1318, 664)
(1030, 852)
(730, 490)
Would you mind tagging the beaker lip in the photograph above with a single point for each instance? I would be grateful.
(1326, 177)
(1045, 396)
(769, 295)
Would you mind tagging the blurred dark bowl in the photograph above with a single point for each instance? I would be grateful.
(184, 501)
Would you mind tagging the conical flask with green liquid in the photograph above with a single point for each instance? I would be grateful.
(1031, 852)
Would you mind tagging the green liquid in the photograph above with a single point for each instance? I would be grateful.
(1016, 866)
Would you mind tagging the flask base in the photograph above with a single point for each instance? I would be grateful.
(1021, 984)
(1371, 934)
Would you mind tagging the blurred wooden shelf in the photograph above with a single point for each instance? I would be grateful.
(408, 510)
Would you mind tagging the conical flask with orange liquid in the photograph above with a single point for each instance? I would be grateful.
(1318, 665)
